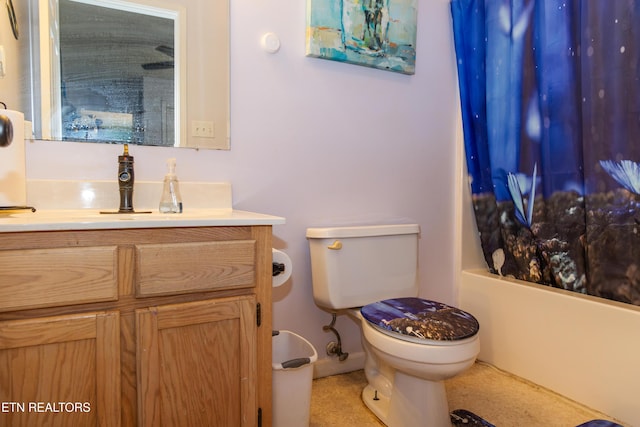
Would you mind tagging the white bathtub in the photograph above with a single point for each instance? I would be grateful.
(585, 348)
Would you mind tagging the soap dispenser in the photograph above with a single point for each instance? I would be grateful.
(171, 202)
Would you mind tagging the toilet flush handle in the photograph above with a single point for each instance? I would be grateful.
(335, 246)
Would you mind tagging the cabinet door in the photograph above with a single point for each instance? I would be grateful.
(60, 371)
(196, 363)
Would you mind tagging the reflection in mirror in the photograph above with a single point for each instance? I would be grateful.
(114, 74)
(129, 98)
(116, 71)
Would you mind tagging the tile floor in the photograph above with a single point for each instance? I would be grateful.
(499, 397)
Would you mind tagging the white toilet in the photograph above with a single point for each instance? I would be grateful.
(411, 345)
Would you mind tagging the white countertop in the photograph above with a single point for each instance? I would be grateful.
(206, 204)
(89, 219)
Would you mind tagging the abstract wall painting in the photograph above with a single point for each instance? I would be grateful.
(373, 33)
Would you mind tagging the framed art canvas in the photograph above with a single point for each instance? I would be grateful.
(373, 33)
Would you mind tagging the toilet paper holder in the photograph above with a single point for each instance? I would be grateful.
(278, 268)
(281, 268)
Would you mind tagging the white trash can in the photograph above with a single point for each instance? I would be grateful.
(292, 360)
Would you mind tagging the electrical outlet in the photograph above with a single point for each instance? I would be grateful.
(202, 129)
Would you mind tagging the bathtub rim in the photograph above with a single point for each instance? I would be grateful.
(593, 360)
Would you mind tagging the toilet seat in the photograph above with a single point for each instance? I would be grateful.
(421, 321)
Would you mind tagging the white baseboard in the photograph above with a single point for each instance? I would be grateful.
(328, 366)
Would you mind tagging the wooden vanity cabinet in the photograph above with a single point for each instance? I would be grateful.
(60, 370)
(197, 363)
(147, 327)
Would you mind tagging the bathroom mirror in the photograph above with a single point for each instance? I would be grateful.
(149, 72)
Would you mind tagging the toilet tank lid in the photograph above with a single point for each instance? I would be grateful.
(362, 231)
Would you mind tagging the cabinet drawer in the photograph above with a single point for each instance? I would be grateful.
(37, 278)
(174, 268)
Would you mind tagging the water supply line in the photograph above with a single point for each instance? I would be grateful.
(335, 348)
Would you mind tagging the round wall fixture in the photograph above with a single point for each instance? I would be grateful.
(270, 42)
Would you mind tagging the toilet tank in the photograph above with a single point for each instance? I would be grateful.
(355, 266)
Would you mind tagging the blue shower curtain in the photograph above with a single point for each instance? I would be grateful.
(550, 99)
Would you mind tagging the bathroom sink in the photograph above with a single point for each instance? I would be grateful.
(113, 215)
(206, 205)
(91, 219)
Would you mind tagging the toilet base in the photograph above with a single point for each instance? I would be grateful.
(414, 402)
(379, 404)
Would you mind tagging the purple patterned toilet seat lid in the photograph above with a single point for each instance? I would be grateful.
(421, 319)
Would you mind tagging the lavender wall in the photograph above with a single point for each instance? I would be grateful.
(318, 142)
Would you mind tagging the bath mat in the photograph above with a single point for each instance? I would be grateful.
(600, 423)
(462, 417)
